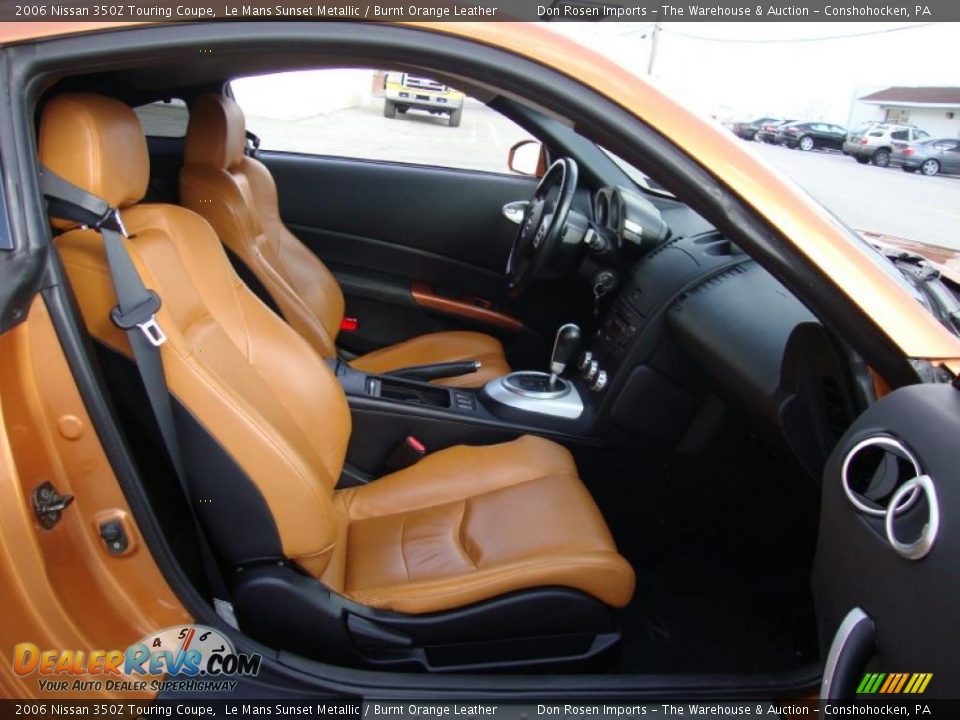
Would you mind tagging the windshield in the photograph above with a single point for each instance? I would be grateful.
(841, 92)
(640, 178)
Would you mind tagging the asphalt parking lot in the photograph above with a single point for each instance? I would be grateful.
(885, 200)
(482, 142)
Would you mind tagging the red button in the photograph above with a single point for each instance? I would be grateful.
(349, 324)
(416, 445)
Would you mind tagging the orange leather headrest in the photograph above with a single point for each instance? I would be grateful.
(96, 143)
(217, 133)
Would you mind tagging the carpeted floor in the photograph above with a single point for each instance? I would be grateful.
(722, 549)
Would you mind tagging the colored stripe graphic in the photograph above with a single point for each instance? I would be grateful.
(894, 683)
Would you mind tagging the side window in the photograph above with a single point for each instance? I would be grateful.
(376, 115)
(164, 118)
(900, 135)
(917, 134)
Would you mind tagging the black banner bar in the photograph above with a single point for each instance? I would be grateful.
(482, 10)
(913, 707)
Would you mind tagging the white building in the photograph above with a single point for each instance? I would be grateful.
(934, 109)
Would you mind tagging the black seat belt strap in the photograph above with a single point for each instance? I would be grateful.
(136, 314)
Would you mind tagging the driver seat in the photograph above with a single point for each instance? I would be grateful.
(237, 195)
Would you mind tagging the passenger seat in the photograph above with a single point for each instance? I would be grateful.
(468, 549)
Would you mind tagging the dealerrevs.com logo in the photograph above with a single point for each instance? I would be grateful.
(191, 657)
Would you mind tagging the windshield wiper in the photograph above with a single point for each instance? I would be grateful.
(942, 299)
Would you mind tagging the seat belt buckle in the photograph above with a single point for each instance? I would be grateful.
(144, 317)
(349, 324)
(407, 453)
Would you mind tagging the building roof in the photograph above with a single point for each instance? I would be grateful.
(933, 96)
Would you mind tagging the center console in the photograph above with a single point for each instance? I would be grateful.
(631, 382)
(387, 409)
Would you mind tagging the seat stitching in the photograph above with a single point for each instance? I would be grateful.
(448, 501)
(403, 549)
(461, 535)
(402, 593)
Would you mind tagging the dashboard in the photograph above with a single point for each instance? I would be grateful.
(629, 218)
(693, 316)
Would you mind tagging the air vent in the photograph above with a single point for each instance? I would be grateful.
(874, 469)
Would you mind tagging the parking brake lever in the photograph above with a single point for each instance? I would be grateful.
(435, 371)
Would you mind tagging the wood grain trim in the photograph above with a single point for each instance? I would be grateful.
(424, 296)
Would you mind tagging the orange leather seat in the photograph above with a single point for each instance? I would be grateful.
(238, 197)
(264, 423)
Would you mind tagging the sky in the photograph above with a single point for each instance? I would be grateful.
(786, 69)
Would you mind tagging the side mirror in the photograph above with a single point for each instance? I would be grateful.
(528, 157)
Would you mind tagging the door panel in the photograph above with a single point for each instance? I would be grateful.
(443, 220)
(381, 227)
(911, 603)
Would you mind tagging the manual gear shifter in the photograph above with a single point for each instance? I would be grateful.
(565, 348)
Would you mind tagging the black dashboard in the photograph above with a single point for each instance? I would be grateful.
(692, 317)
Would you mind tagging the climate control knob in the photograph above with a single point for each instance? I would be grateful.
(585, 359)
(601, 382)
(592, 370)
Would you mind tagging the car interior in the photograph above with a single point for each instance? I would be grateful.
(441, 420)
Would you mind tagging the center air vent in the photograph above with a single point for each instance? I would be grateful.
(874, 469)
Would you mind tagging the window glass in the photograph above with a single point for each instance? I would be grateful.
(900, 135)
(164, 118)
(376, 115)
(635, 174)
(920, 134)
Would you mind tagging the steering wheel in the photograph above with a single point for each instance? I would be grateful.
(542, 225)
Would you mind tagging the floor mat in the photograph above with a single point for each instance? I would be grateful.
(722, 550)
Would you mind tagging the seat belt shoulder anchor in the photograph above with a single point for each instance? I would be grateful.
(142, 316)
(111, 221)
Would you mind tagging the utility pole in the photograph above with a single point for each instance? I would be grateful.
(654, 41)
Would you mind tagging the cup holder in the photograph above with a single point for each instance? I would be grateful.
(873, 472)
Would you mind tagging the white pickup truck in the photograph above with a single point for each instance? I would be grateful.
(405, 92)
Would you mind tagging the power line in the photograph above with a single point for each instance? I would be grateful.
(772, 41)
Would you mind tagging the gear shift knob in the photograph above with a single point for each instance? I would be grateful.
(565, 348)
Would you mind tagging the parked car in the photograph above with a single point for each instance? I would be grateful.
(768, 131)
(811, 136)
(411, 92)
(873, 142)
(747, 129)
(936, 155)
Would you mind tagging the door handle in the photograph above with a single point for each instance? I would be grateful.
(514, 211)
(850, 650)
